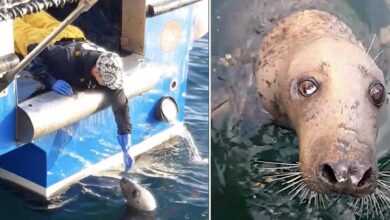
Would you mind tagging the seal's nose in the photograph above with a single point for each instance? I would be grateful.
(347, 177)
(124, 180)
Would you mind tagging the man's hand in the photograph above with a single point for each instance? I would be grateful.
(62, 87)
(124, 141)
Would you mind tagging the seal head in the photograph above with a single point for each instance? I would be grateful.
(137, 197)
(315, 77)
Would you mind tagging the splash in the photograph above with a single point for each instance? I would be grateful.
(195, 155)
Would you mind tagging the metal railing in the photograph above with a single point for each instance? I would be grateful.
(13, 9)
(167, 6)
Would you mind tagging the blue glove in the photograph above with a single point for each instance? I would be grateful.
(62, 87)
(124, 141)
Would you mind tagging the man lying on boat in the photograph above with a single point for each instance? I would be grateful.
(70, 60)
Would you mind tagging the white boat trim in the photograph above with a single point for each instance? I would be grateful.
(110, 162)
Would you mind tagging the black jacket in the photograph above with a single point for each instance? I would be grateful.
(69, 61)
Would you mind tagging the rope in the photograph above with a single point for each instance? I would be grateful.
(22, 7)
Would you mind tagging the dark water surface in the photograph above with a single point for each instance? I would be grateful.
(242, 132)
(178, 181)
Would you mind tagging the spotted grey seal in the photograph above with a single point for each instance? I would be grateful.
(137, 197)
(314, 76)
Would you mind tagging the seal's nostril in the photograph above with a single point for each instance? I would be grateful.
(367, 175)
(346, 177)
(328, 174)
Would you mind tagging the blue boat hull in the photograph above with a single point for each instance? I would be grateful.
(50, 163)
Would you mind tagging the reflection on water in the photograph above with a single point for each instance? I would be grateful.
(242, 132)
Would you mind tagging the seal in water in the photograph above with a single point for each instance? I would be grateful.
(314, 76)
(137, 196)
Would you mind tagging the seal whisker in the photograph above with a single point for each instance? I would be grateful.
(282, 177)
(284, 174)
(381, 183)
(384, 171)
(380, 203)
(360, 201)
(355, 202)
(297, 190)
(311, 197)
(369, 206)
(321, 197)
(275, 163)
(300, 188)
(327, 198)
(385, 181)
(382, 197)
(384, 184)
(293, 180)
(278, 168)
(361, 206)
(302, 183)
(304, 195)
(384, 174)
(369, 48)
(385, 198)
(373, 61)
(316, 200)
(366, 206)
(301, 196)
(375, 203)
(289, 186)
(373, 207)
(383, 164)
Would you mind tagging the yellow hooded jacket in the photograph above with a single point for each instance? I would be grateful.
(32, 29)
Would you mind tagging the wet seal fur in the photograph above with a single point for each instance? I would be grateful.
(337, 123)
(137, 197)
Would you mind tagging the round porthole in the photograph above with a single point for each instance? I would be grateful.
(173, 85)
(167, 109)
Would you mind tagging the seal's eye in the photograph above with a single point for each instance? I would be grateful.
(307, 87)
(377, 94)
(135, 193)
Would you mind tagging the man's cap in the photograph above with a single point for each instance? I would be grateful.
(111, 69)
